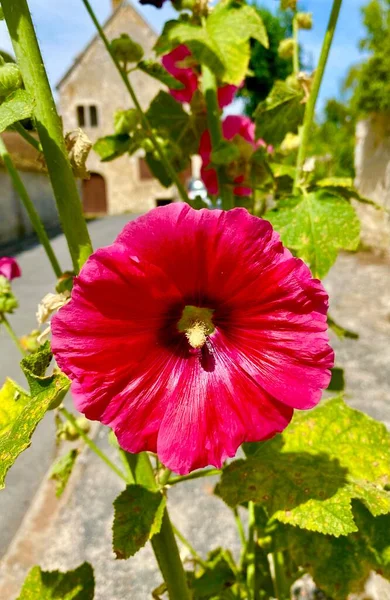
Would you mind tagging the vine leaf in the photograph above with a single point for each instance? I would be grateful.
(309, 475)
(46, 393)
(138, 514)
(316, 226)
(62, 470)
(280, 113)
(17, 106)
(51, 585)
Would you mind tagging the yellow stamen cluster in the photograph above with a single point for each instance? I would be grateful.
(196, 324)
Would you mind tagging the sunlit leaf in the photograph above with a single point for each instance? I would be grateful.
(54, 585)
(17, 106)
(280, 113)
(62, 470)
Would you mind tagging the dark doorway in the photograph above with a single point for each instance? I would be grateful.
(95, 195)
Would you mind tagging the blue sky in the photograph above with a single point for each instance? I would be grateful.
(64, 28)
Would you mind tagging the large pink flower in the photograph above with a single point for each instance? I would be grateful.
(194, 332)
(9, 268)
(188, 75)
(232, 126)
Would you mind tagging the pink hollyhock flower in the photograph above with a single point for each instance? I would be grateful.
(194, 332)
(242, 129)
(189, 77)
(9, 268)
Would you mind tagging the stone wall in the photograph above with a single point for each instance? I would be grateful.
(372, 164)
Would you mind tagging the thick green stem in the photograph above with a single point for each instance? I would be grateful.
(49, 127)
(296, 47)
(146, 125)
(27, 136)
(92, 444)
(282, 588)
(209, 86)
(7, 326)
(163, 543)
(250, 553)
(30, 208)
(311, 103)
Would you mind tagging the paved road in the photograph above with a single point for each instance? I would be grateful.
(37, 280)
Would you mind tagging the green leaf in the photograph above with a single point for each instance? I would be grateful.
(340, 331)
(8, 302)
(316, 226)
(309, 475)
(138, 515)
(344, 187)
(112, 146)
(157, 71)
(225, 153)
(16, 107)
(13, 399)
(167, 115)
(46, 392)
(280, 170)
(218, 577)
(280, 113)
(158, 170)
(62, 469)
(54, 585)
(337, 382)
(126, 121)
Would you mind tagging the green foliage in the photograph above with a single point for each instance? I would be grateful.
(308, 476)
(17, 106)
(266, 66)
(10, 78)
(54, 585)
(138, 516)
(62, 470)
(280, 113)
(222, 42)
(157, 71)
(337, 382)
(46, 392)
(125, 121)
(341, 331)
(168, 116)
(316, 226)
(112, 146)
(13, 399)
(218, 576)
(8, 302)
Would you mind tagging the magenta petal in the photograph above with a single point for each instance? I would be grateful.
(9, 268)
(186, 75)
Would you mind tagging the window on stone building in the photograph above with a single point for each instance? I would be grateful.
(81, 116)
(93, 116)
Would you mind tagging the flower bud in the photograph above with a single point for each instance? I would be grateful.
(10, 79)
(8, 302)
(286, 48)
(304, 20)
(125, 50)
(286, 4)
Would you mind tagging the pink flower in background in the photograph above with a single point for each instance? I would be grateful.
(9, 268)
(232, 126)
(194, 332)
(189, 77)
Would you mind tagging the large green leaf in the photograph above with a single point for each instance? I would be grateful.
(112, 146)
(280, 113)
(316, 226)
(46, 392)
(168, 116)
(54, 585)
(344, 187)
(309, 475)
(138, 516)
(13, 399)
(17, 106)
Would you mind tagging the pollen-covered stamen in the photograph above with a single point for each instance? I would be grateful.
(196, 323)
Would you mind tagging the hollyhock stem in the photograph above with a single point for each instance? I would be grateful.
(311, 103)
(49, 127)
(30, 208)
(7, 326)
(282, 589)
(296, 47)
(209, 87)
(250, 552)
(163, 543)
(27, 136)
(92, 444)
(240, 527)
(194, 475)
(124, 76)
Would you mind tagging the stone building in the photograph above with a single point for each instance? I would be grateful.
(89, 94)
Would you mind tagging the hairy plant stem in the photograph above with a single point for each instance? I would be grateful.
(311, 103)
(49, 127)
(71, 418)
(250, 553)
(8, 327)
(163, 543)
(27, 136)
(209, 87)
(296, 46)
(144, 120)
(194, 475)
(282, 588)
(30, 208)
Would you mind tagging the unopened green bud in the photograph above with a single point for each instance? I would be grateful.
(8, 302)
(125, 121)
(126, 50)
(304, 20)
(286, 4)
(10, 79)
(286, 48)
